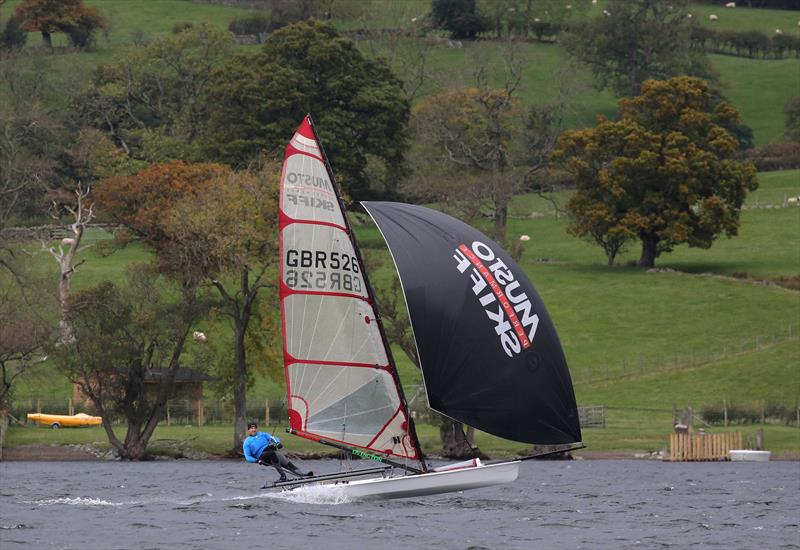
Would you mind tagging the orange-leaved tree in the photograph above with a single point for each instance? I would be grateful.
(149, 324)
(666, 172)
(68, 16)
(230, 232)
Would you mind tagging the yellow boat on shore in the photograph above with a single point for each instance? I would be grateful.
(66, 420)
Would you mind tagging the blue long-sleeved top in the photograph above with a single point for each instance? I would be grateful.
(254, 445)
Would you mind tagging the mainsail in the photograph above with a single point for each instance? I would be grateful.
(340, 380)
(489, 352)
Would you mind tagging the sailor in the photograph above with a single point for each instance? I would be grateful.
(262, 447)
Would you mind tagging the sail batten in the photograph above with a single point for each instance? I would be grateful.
(341, 383)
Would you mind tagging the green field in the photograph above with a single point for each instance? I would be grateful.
(638, 342)
(758, 88)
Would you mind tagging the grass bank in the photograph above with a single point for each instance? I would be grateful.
(215, 440)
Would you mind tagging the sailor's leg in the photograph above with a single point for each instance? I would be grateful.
(288, 464)
(275, 461)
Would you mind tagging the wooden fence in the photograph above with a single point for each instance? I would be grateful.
(592, 416)
(697, 447)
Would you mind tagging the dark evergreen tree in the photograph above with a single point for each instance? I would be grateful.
(359, 106)
(13, 35)
(460, 17)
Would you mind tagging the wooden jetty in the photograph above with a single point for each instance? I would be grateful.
(699, 447)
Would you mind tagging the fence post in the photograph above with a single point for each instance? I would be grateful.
(725, 412)
(168, 417)
(200, 419)
(70, 409)
(762, 412)
(266, 412)
(38, 405)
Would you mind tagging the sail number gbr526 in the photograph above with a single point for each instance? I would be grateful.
(320, 270)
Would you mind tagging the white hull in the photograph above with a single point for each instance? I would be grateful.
(430, 483)
(749, 456)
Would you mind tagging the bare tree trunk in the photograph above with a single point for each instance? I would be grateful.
(500, 221)
(239, 390)
(3, 426)
(65, 256)
(649, 251)
(455, 444)
(241, 314)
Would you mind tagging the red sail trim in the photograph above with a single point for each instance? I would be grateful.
(399, 409)
(291, 359)
(284, 220)
(498, 292)
(304, 420)
(286, 290)
(292, 150)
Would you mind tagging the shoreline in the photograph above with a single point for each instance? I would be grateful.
(72, 453)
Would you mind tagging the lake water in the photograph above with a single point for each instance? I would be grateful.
(569, 504)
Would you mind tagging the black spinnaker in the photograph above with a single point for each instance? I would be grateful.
(489, 353)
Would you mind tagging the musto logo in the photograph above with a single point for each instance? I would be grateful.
(500, 294)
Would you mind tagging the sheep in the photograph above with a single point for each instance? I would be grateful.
(713, 17)
(778, 31)
(730, 5)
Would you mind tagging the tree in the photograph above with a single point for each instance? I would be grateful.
(792, 125)
(151, 100)
(666, 172)
(31, 135)
(119, 336)
(463, 141)
(24, 332)
(82, 212)
(358, 105)
(13, 35)
(460, 17)
(143, 203)
(230, 233)
(68, 16)
(637, 40)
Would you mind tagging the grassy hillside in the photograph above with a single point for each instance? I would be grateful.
(758, 88)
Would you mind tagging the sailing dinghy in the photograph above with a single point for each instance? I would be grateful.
(489, 353)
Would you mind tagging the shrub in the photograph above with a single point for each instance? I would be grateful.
(13, 36)
(254, 23)
(545, 30)
(181, 26)
(739, 414)
(776, 156)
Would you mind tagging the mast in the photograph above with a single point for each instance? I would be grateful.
(351, 234)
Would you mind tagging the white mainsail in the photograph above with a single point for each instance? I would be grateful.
(341, 385)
